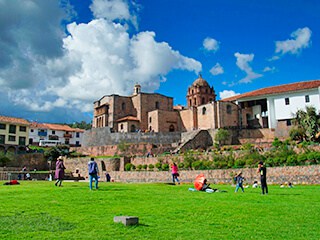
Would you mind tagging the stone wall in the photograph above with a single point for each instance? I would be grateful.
(102, 137)
(275, 175)
(30, 160)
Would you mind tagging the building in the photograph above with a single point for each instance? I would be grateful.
(48, 131)
(14, 133)
(155, 112)
(275, 107)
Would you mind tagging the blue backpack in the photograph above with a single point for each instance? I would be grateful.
(92, 168)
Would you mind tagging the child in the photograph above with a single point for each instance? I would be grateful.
(239, 181)
(255, 184)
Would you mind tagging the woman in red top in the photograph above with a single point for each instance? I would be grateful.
(175, 174)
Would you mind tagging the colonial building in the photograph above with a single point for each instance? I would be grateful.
(155, 112)
(14, 133)
(64, 134)
(275, 107)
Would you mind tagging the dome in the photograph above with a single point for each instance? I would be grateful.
(200, 82)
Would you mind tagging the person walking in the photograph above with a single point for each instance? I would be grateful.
(175, 174)
(239, 180)
(59, 174)
(263, 177)
(93, 173)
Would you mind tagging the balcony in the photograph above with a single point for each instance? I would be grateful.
(67, 135)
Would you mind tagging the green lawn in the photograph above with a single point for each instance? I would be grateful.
(39, 210)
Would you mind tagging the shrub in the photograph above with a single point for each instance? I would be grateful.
(139, 167)
(165, 167)
(128, 166)
(292, 160)
(159, 165)
(197, 165)
(144, 166)
(151, 167)
(302, 158)
(239, 163)
(181, 165)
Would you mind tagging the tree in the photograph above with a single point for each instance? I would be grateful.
(307, 123)
(221, 136)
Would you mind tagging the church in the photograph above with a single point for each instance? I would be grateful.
(153, 112)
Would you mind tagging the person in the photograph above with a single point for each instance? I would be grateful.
(59, 174)
(175, 174)
(28, 176)
(93, 173)
(263, 177)
(206, 187)
(108, 177)
(255, 184)
(239, 181)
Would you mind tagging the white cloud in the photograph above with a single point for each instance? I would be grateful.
(211, 44)
(227, 93)
(243, 61)
(301, 38)
(216, 69)
(269, 69)
(94, 59)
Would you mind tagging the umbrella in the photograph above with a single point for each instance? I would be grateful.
(199, 181)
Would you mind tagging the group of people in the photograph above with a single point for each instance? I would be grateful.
(93, 172)
(262, 171)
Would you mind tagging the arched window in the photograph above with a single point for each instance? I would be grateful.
(195, 101)
(202, 100)
(171, 128)
(121, 126)
(192, 91)
(150, 119)
(157, 105)
(204, 110)
(190, 102)
(123, 106)
(229, 109)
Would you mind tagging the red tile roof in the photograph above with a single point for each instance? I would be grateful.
(5, 119)
(292, 87)
(57, 127)
(128, 118)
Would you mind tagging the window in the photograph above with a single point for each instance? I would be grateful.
(22, 141)
(133, 128)
(150, 119)
(66, 141)
(30, 141)
(123, 106)
(171, 128)
(229, 109)
(22, 128)
(77, 143)
(157, 105)
(2, 126)
(31, 130)
(121, 126)
(307, 98)
(287, 101)
(202, 100)
(204, 110)
(12, 138)
(195, 101)
(12, 128)
(77, 134)
(53, 132)
(190, 102)
(2, 139)
(288, 122)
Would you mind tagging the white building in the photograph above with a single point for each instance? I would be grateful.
(47, 131)
(275, 107)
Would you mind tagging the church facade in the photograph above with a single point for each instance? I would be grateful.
(154, 112)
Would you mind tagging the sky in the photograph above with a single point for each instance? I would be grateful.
(58, 57)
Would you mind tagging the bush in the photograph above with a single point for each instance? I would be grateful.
(139, 167)
(181, 165)
(159, 166)
(239, 163)
(292, 160)
(151, 167)
(128, 166)
(313, 157)
(165, 167)
(144, 166)
(197, 165)
(302, 158)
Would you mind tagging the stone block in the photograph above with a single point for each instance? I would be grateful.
(126, 220)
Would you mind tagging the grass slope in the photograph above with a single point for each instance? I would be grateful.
(39, 210)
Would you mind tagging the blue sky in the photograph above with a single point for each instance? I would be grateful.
(56, 58)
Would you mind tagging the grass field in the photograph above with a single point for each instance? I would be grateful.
(39, 210)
